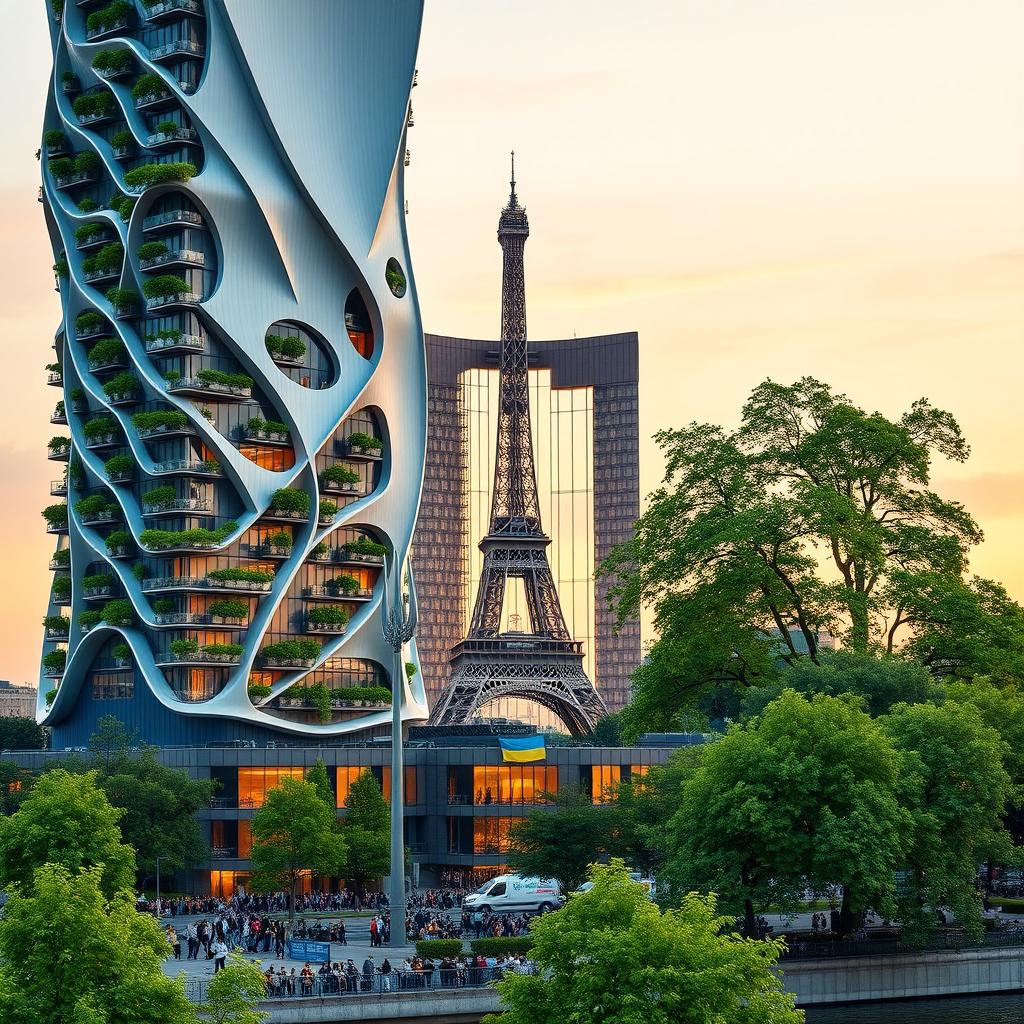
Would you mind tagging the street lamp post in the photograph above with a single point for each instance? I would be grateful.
(399, 625)
(158, 887)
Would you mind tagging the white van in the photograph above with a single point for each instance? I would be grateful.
(513, 893)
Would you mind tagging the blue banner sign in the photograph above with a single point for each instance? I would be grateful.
(312, 952)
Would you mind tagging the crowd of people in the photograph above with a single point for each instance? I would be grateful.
(242, 902)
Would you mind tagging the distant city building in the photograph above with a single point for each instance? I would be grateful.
(584, 412)
(17, 701)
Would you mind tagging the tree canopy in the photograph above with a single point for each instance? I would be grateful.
(233, 994)
(66, 820)
(643, 966)
(67, 956)
(367, 832)
(21, 734)
(814, 517)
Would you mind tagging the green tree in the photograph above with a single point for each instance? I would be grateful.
(318, 777)
(160, 806)
(294, 832)
(957, 787)
(562, 843)
(21, 734)
(367, 831)
(110, 740)
(881, 680)
(729, 553)
(67, 820)
(804, 794)
(15, 783)
(643, 966)
(233, 994)
(70, 957)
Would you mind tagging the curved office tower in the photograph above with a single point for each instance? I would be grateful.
(241, 364)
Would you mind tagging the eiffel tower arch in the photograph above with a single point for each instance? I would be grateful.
(545, 664)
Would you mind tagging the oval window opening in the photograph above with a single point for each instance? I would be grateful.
(357, 323)
(395, 276)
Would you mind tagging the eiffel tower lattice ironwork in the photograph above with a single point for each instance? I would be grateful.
(546, 664)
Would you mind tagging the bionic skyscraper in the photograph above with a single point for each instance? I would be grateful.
(240, 363)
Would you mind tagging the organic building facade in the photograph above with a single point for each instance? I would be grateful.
(240, 367)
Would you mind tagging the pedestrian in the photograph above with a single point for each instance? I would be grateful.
(220, 955)
(192, 934)
(385, 975)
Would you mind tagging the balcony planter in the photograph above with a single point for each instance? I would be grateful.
(191, 505)
(168, 9)
(94, 236)
(124, 301)
(155, 424)
(269, 431)
(189, 467)
(177, 342)
(70, 83)
(206, 384)
(288, 662)
(177, 48)
(284, 350)
(55, 378)
(119, 25)
(171, 219)
(75, 179)
(176, 299)
(256, 579)
(103, 441)
(187, 257)
(364, 444)
(176, 137)
(364, 551)
(58, 488)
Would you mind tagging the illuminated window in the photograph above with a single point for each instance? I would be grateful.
(604, 778)
(492, 835)
(357, 323)
(346, 775)
(275, 459)
(113, 685)
(224, 883)
(255, 783)
(513, 784)
(409, 794)
(244, 837)
(636, 775)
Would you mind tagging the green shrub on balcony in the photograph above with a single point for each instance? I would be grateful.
(396, 280)
(118, 613)
(99, 581)
(61, 166)
(229, 609)
(328, 508)
(410, 669)
(62, 556)
(119, 466)
(51, 696)
(122, 652)
(258, 425)
(112, 60)
(327, 616)
(168, 333)
(241, 575)
(172, 376)
(60, 268)
(122, 139)
(365, 546)
(165, 284)
(62, 587)
(231, 650)
(320, 697)
(159, 174)
(290, 499)
(153, 251)
(59, 444)
(123, 384)
(159, 496)
(367, 694)
(77, 395)
(139, 571)
(149, 84)
(164, 605)
(109, 15)
(57, 623)
(234, 380)
(257, 691)
(108, 258)
(290, 348)
(122, 299)
(338, 474)
(167, 127)
(292, 650)
(56, 515)
(53, 138)
(184, 648)
(209, 466)
(84, 231)
(99, 426)
(89, 619)
(93, 103)
(346, 583)
(320, 549)
(89, 321)
(172, 420)
(55, 661)
(122, 205)
(201, 537)
(117, 540)
(57, 6)
(281, 539)
(95, 506)
(365, 442)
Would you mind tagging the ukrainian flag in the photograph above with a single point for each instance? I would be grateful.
(522, 748)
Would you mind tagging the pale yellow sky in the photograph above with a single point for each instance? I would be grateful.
(759, 187)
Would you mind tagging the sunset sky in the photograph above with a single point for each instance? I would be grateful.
(759, 187)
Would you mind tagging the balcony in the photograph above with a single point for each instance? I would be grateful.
(337, 594)
(167, 660)
(346, 556)
(176, 49)
(71, 85)
(55, 378)
(155, 100)
(202, 388)
(59, 488)
(285, 516)
(223, 853)
(123, 398)
(75, 180)
(117, 27)
(354, 453)
(102, 275)
(99, 238)
(102, 441)
(162, 432)
(163, 583)
(102, 593)
(58, 564)
(268, 437)
(187, 467)
(170, 220)
(99, 117)
(194, 506)
(60, 417)
(175, 258)
(58, 148)
(104, 517)
(88, 333)
(125, 152)
(165, 140)
(106, 366)
(331, 628)
(168, 10)
(182, 343)
(270, 551)
(111, 74)
(170, 301)
(288, 662)
(58, 454)
(57, 528)
(347, 489)
(198, 619)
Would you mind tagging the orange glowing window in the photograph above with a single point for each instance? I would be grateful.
(493, 835)
(346, 776)
(224, 883)
(244, 837)
(255, 783)
(513, 784)
(275, 459)
(604, 778)
(362, 342)
(409, 794)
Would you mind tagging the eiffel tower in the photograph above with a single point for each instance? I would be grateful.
(546, 664)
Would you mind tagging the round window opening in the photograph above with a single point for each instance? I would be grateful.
(395, 277)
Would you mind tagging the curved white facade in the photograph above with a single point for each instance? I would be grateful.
(294, 116)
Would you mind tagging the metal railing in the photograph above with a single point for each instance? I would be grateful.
(191, 256)
(172, 217)
(827, 950)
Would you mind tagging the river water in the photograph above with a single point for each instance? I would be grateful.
(994, 1009)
